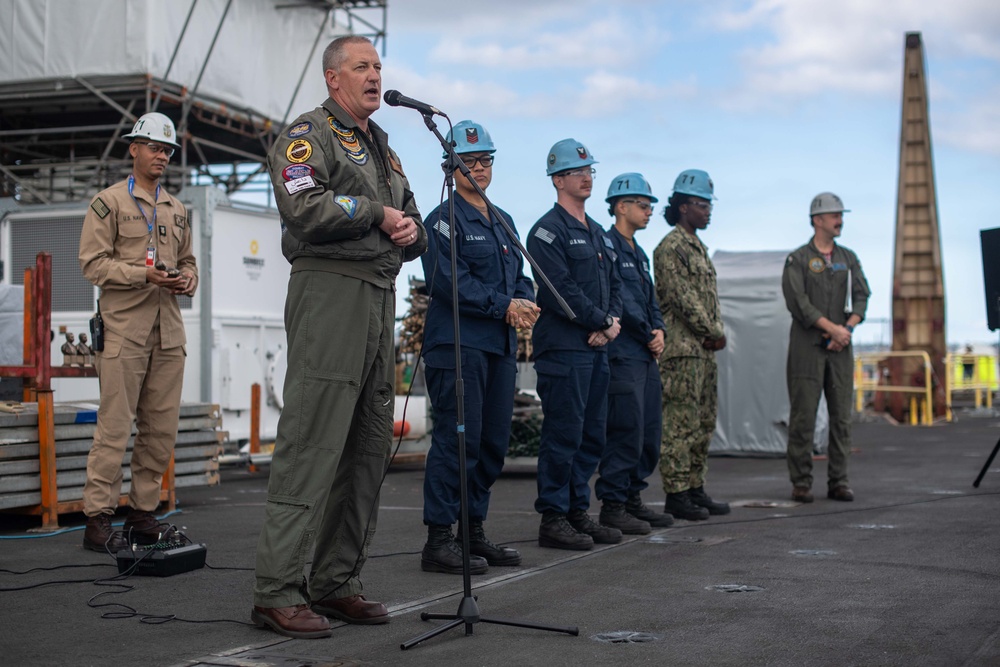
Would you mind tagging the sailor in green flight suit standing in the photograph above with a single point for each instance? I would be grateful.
(827, 294)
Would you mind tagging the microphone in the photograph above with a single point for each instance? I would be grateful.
(394, 98)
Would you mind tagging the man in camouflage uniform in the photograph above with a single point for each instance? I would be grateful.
(689, 301)
(827, 294)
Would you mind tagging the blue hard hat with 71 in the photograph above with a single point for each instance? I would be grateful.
(696, 183)
(630, 183)
(568, 154)
(470, 137)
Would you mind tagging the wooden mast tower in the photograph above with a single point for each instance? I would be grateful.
(918, 312)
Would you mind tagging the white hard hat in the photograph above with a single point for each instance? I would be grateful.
(827, 202)
(155, 127)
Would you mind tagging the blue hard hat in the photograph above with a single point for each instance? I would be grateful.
(631, 183)
(696, 183)
(568, 154)
(471, 137)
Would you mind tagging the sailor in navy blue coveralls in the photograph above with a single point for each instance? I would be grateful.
(573, 251)
(634, 417)
(491, 283)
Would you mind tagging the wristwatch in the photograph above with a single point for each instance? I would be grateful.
(608, 322)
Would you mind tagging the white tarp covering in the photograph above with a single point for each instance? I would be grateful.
(753, 394)
(11, 325)
(256, 63)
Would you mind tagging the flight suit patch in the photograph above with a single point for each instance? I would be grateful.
(299, 151)
(299, 130)
(396, 165)
(348, 141)
(100, 208)
(817, 265)
(349, 204)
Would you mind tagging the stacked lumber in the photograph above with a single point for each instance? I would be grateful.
(199, 444)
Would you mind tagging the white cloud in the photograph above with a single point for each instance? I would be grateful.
(606, 42)
(820, 46)
(974, 127)
(601, 94)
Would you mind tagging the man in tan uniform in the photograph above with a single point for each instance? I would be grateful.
(130, 230)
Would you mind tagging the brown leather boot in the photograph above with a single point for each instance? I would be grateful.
(100, 536)
(143, 527)
(299, 621)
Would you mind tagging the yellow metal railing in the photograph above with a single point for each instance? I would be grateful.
(970, 372)
(920, 397)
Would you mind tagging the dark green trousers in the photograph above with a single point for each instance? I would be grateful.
(812, 371)
(333, 441)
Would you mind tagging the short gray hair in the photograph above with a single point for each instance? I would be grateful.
(333, 55)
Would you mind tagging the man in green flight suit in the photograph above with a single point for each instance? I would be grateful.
(349, 222)
(827, 294)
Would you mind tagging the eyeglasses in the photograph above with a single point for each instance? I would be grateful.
(703, 205)
(158, 148)
(579, 172)
(643, 205)
(470, 161)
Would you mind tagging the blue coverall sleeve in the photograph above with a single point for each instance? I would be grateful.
(551, 259)
(475, 299)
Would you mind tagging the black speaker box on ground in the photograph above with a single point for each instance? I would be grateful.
(990, 241)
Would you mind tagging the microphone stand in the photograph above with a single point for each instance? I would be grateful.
(468, 609)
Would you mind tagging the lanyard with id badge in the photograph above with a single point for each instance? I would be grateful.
(150, 224)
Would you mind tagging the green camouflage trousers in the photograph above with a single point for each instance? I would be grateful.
(690, 405)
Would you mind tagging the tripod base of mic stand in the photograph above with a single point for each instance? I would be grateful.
(468, 615)
(986, 467)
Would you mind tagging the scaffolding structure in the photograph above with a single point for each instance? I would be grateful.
(60, 136)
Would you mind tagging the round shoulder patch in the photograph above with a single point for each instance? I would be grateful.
(817, 265)
(298, 151)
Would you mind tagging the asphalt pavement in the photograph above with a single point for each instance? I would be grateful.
(908, 574)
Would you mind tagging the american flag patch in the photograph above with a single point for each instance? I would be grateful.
(443, 228)
(545, 235)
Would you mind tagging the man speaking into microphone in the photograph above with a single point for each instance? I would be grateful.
(348, 222)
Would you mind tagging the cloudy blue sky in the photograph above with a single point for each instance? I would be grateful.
(777, 99)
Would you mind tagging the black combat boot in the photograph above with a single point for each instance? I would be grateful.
(582, 523)
(443, 554)
(701, 499)
(480, 545)
(613, 515)
(100, 536)
(636, 508)
(682, 507)
(555, 532)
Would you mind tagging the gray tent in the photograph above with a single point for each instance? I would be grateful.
(753, 395)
